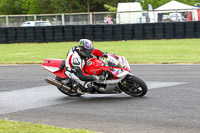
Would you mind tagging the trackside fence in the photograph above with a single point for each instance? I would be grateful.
(115, 32)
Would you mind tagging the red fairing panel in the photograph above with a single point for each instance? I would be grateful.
(52, 62)
(93, 66)
(53, 66)
(97, 52)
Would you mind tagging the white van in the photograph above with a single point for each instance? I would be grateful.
(35, 23)
(130, 12)
(175, 17)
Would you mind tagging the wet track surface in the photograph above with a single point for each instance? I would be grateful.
(171, 104)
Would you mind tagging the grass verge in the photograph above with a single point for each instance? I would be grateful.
(136, 51)
(21, 127)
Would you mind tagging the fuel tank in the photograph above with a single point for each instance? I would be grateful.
(93, 66)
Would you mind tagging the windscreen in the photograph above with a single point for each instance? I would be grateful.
(111, 61)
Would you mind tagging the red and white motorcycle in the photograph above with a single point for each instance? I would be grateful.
(115, 69)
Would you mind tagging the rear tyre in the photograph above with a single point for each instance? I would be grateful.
(133, 86)
(71, 94)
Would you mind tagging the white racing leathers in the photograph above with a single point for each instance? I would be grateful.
(74, 67)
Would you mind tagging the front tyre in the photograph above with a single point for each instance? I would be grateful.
(71, 94)
(133, 86)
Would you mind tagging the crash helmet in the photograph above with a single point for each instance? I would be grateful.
(86, 47)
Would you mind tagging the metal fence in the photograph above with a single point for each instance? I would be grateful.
(104, 17)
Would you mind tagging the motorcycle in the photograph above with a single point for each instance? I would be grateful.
(115, 69)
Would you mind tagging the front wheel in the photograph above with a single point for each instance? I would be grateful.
(133, 86)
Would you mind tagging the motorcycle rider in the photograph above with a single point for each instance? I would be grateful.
(75, 62)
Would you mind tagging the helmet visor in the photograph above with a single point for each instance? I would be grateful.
(88, 51)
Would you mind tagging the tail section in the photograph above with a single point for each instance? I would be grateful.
(55, 66)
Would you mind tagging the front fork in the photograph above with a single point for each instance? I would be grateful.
(123, 83)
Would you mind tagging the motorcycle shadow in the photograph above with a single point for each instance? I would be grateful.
(105, 98)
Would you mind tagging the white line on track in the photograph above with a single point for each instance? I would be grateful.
(30, 98)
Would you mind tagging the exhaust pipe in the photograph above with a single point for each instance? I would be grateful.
(57, 83)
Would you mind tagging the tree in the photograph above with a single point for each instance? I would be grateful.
(64, 6)
(30, 7)
(37, 6)
(10, 7)
(45, 6)
(110, 8)
(72, 6)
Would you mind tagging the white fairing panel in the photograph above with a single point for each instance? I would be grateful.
(50, 68)
(122, 74)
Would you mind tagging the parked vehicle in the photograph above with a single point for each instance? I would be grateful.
(36, 23)
(115, 69)
(130, 12)
(176, 17)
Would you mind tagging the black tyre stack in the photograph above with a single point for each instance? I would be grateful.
(139, 31)
(69, 33)
(128, 32)
(169, 30)
(158, 30)
(49, 34)
(179, 30)
(98, 32)
(11, 34)
(3, 35)
(39, 34)
(58, 33)
(118, 32)
(21, 34)
(189, 30)
(30, 34)
(108, 33)
(89, 32)
(149, 31)
(78, 32)
(197, 31)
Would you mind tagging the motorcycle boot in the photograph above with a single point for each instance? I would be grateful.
(76, 87)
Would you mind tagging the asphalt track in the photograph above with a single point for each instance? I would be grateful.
(172, 103)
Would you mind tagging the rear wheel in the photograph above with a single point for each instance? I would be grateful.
(133, 86)
(71, 94)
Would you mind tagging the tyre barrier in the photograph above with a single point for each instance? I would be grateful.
(115, 32)
(3, 35)
(88, 32)
(197, 29)
(159, 31)
(108, 33)
(68, 33)
(128, 32)
(39, 34)
(179, 30)
(11, 35)
(30, 34)
(169, 32)
(139, 31)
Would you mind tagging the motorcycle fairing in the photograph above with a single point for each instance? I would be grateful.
(123, 63)
(95, 66)
(55, 66)
(117, 65)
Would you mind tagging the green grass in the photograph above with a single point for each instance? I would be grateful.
(144, 51)
(21, 127)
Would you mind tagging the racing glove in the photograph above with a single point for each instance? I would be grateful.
(105, 55)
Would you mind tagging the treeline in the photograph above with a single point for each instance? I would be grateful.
(72, 6)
